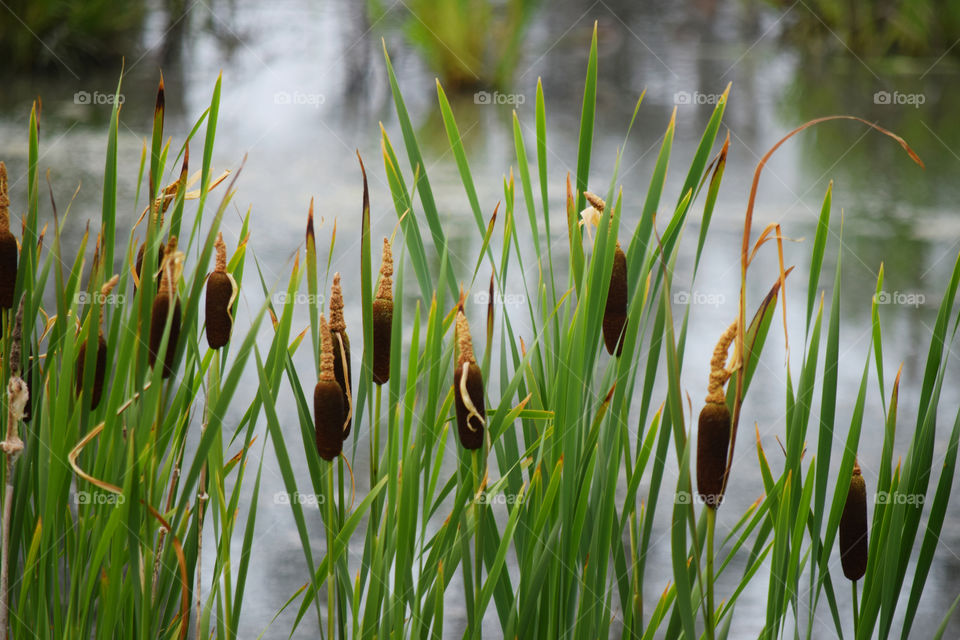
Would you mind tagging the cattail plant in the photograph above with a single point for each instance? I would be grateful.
(221, 293)
(328, 407)
(159, 208)
(101, 367)
(8, 246)
(341, 350)
(383, 318)
(713, 433)
(467, 386)
(166, 296)
(615, 312)
(853, 528)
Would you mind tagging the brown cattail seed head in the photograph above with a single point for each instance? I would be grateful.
(615, 313)
(8, 246)
(383, 318)
(341, 350)
(143, 248)
(853, 528)
(713, 440)
(221, 292)
(713, 429)
(468, 388)
(100, 370)
(328, 407)
(165, 301)
(99, 373)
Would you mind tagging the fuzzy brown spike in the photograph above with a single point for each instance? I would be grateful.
(326, 352)
(385, 289)
(468, 389)
(383, 318)
(595, 201)
(718, 372)
(169, 194)
(336, 305)
(167, 296)
(853, 528)
(8, 246)
(221, 247)
(4, 199)
(714, 425)
(171, 269)
(615, 313)
(328, 408)
(341, 349)
(464, 341)
(221, 292)
(104, 293)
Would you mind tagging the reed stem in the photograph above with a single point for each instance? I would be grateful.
(331, 576)
(856, 614)
(708, 612)
(12, 445)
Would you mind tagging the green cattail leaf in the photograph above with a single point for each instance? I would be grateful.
(816, 259)
(587, 117)
(456, 146)
(417, 163)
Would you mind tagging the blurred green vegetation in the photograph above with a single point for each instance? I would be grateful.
(876, 28)
(44, 34)
(467, 43)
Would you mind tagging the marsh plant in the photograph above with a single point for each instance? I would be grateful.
(520, 495)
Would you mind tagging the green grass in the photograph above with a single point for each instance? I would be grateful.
(550, 526)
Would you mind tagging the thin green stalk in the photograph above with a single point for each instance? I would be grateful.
(708, 612)
(856, 614)
(331, 575)
(478, 549)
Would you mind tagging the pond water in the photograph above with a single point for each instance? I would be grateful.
(304, 85)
